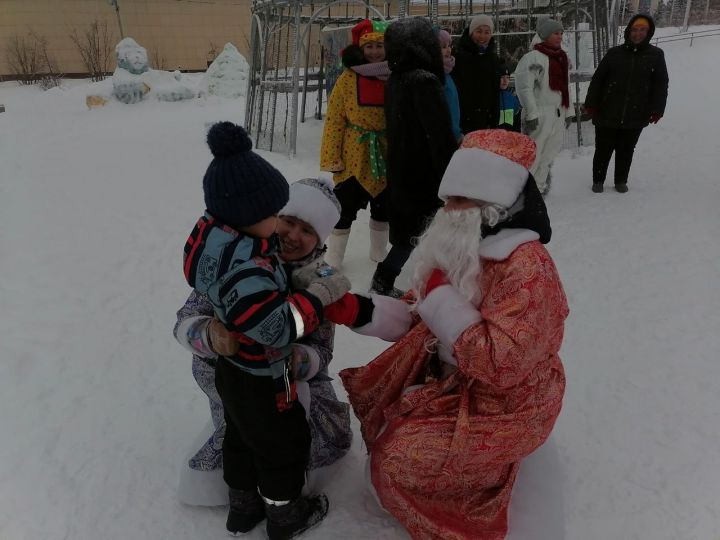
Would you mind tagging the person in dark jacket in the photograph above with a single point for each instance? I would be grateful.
(627, 92)
(477, 76)
(420, 139)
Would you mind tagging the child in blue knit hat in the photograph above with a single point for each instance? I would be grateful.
(230, 256)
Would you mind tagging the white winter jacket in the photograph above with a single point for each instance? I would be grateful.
(532, 84)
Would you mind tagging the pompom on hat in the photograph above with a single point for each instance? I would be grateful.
(240, 187)
(491, 166)
(366, 31)
(313, 201)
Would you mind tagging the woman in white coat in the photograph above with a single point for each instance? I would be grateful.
(541, 82)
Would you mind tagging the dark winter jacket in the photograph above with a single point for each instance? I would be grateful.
(477, 77)
(419, 134)
(629, 84)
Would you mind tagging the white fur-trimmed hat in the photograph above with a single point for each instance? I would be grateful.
(491, 166)
(313, 201)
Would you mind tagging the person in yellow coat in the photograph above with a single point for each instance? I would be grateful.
(353, 143)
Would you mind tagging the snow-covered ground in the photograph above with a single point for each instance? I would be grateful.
(98, 408)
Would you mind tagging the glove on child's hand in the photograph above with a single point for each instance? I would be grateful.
(221, 340)
(323, 282)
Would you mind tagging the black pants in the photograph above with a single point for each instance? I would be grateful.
(353, 198)
(620, 141)
(263, 447)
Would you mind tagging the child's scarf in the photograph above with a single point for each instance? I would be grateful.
(558, 62)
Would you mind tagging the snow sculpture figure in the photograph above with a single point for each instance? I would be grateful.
(133, 79)
(227, 76)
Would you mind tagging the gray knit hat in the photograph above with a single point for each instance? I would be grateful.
(548, 26)
(480, 20)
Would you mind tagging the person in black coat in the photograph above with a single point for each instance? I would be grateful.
(420, 140)
(627, 92)
(477, 76)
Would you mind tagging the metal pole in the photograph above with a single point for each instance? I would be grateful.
(114, 3)
(578, 113)
(707, 9)
(295, 82)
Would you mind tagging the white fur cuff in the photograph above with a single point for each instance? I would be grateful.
(447, 314)
(390, 321)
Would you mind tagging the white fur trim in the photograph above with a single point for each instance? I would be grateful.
(498, 247)
(313, 207)
(390, 321)
(314, 358)
(182, 335)
(447, 313)
(483, 176)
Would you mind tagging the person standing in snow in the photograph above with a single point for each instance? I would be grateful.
(475, 384)
(303, 226)
(477, 75)
(541, 82)
(420, 140)
(231, 257)
(627, 92)
(353, 142)
(451, 93)
(509, 104)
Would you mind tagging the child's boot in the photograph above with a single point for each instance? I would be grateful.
(246, 511)
(290, 519)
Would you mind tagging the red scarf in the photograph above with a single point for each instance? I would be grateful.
(559, 65)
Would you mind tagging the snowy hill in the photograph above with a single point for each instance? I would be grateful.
(99, 410)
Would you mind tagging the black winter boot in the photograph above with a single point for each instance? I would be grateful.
(383, 283)
(621, 187)
(294, 518)
(597, 187)
(246, 510)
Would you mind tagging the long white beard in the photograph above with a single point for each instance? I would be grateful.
(452, 244)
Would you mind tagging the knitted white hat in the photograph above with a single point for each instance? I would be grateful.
(313, 201)
(480, 20)
(491, 166)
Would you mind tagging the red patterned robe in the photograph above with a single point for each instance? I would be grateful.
(445, 462)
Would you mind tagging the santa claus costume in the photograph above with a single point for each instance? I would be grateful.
(475, 384)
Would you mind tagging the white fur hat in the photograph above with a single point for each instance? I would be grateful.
(313, 201)
(491, 166)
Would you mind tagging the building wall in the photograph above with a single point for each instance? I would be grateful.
(180, 31)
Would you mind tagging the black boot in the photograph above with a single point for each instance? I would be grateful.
(383, 283)
(246, 510)
(621, 187)
(597, 187)
(294, 518)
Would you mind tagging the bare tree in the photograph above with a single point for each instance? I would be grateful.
(95, 48)
(158, 60)
(31, 62)
(23, 58)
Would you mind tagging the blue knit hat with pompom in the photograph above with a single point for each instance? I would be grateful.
(240, 187)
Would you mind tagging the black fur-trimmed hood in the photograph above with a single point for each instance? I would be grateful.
(411, 44)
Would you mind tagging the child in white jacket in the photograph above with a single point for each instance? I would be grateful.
(541, 82)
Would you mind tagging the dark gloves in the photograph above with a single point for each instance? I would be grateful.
(589, 111)
(655, 117)
(531, 125)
